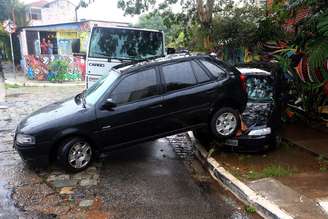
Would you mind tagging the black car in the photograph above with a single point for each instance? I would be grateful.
(135, 103)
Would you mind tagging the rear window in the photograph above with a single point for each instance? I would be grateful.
(215, 70)
(200, 73)
(259, 88)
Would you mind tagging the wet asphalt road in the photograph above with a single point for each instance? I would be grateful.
(159, 179)
(150, 181)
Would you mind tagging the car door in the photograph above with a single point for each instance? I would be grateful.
(188, 92)
(139, 106)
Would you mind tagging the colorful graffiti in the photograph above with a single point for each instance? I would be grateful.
(55, 68)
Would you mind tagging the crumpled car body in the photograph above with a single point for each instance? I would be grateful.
(261, 118)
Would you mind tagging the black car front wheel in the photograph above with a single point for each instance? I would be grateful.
(75, 154)
(225, 122)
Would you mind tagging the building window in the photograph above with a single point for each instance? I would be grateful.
(35, 14)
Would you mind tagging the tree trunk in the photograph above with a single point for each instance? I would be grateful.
(205, 12)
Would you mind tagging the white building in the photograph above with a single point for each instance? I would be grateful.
(45, 12)
(261, 3)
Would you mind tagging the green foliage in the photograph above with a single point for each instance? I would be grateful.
(60, 68)
(317, 50)
(237, 27)
(270, 171)
(156, 21)
(10, 8)
(133, 7)
(11, 86)
(323, 162)
(250, 209)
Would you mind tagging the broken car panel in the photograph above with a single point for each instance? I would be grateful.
(261, 117)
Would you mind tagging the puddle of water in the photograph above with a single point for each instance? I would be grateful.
(7, 207)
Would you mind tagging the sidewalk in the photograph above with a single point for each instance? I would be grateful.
(313, 140)
(293, 177)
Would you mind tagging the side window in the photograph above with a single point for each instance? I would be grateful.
(178, 76)
(136, 87)
(215, 70)
(200, 73)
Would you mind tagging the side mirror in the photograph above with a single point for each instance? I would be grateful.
(109, 104)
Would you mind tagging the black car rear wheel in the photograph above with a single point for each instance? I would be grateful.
(225, 122)
(75, 154)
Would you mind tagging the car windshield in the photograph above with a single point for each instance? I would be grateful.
(93, 93)
(259, 88)
(126, 44)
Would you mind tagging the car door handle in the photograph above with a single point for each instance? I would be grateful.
(156, 106)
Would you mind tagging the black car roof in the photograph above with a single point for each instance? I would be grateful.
(135, 66)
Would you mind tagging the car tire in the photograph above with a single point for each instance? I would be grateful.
(225, 123)
(203, 136)
(75, 154)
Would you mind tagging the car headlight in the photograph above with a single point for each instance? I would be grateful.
(260, 132)
(25, 139)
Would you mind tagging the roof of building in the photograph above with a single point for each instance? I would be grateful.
(43, 3)
(68, 25)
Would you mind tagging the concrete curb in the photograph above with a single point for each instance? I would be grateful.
(42, 84)
(264, 207)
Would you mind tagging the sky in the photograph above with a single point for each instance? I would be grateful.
(101, 10)
(107, 10)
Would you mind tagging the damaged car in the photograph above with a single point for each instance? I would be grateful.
(260, 121)
(261, 118)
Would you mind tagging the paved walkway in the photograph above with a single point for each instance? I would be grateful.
(310, 139)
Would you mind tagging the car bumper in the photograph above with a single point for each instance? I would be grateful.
(36, 155)
(251, 143)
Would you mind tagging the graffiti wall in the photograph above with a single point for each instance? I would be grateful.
(55, 67)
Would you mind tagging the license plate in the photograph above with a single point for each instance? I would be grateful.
(231, 142)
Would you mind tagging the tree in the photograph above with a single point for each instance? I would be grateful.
(311, 33)
(152, 21)
(174, 35)
(237, 27)
(81, 4)
(14, 10)
(199, 11)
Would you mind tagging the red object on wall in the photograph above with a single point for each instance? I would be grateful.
(325, 88)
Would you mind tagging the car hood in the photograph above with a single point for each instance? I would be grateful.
(49, 114)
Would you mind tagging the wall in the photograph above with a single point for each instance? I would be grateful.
(39, 68)
(60, 11)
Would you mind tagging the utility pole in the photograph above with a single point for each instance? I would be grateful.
(2, 87)
(12, 54)
(10, 28)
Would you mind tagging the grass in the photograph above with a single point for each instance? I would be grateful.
(250, 209)
(270, 171)
(11, 86)
(323, 162)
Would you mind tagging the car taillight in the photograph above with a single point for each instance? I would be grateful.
(243, 82)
